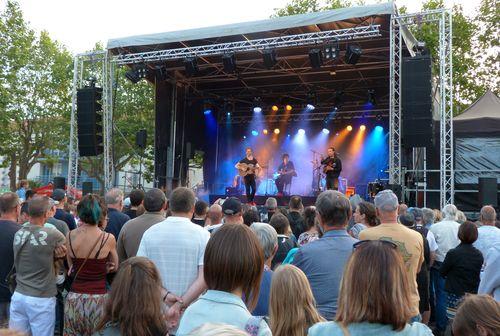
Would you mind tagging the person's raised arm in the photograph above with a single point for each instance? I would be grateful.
(112, 264)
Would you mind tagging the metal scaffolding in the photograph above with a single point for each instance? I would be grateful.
(105, 78)
(443, 17)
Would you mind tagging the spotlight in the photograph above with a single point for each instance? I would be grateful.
(191, 66)
(325, 131)
(228, 114)
(255, 133)
(310, 107)
(288, 135)
(379, 128)
(207, 111)
(352, 54)
(257, 109)
(371, 97)
(276, 131)
(207, 108)
(362, 127)
(288, 108)
(256, 105)
(269, 56)
(311, 99)
(301, 131)
(264, 131)
(316, 58)
(349, 128)
(229, 62)
(332, 50)
(244, 137)
(275, 108)
(138, 72)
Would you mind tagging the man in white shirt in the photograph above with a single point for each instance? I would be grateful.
(446, 235)
(488, 234)
(177, 247)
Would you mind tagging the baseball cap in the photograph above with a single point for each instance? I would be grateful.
(53, 202)
(58, 194)
(386, 200)
(231, 206)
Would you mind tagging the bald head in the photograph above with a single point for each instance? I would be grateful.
(215, 214)
(488, 215)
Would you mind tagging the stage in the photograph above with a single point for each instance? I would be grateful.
(261, 200)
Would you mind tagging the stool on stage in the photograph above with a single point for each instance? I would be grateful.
(287, 187)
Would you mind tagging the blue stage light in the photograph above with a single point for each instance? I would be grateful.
(310, 107)
(244, 137)
(301, 131)
(228, 114)
(379, 128)
(257, 109)
(207, 111)
(288, 135)
(255, 133)
(325, 131)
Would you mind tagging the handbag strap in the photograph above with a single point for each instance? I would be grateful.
(345, 331)
(88, 255)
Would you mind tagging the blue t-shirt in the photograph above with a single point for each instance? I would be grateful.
(262, 308)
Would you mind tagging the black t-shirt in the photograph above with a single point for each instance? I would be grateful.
(335, 163)
(200, 222)
(67, 217)
(7, 231)
(132, 213)
(249, 162)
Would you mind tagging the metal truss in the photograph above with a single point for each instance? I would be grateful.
(81, 62)
(443, 18)
(359, 32)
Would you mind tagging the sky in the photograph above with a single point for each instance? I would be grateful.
(79, 24)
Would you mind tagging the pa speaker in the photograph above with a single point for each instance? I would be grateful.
(89, 121)
(397, 190)
(59, 182)
(87, 188)
(488, 191)
(352, 54)
(141, 139)
(416, 102)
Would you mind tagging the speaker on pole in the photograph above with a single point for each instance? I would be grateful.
(87, 188)
(59, 182)
(89, 121)
(488, 192)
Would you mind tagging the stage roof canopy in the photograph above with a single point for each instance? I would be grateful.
(292, 80)
(482, 117)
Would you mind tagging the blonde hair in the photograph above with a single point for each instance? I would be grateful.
(291, 303)
(374, 287)
(477, 311)
(217, 329)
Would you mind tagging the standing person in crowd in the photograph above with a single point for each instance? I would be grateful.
(214, 216)
(323, 260)
(59, 224)
(477, 315)
(461, 217)
(461, 268)
(410, 243)
(136, 198)
(33, 305)
(91, 255)
(268, 239)
(9, 211)
(271, 207)
(295, 215)
(292, 307)
(490, 277)
(375, 295)
(233, 212)
(488, 233)
(402, 208)
(59, 196)
(310, 229)
(23, 214)
(446, 234)
(365, 216)
(164, 242)
(116, 218)
(30, 193)
(280, 223)
(134, 306)
(251, 216)
(428, 217)
(233, 265)
(200, 213)
(438, 215)
(21, 190)
(131, 234)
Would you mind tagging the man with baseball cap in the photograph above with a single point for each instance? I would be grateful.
(232, 211)
(59, 195)
(410, 243)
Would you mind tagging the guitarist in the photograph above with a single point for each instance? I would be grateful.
(332, 168)
(286, 171)
(250, 164)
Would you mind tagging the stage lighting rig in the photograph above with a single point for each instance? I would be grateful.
(316, 58)
(288, 107)
(257, 108)
(191, 66)
(138, 72)
(229, 62)
(352, 54)
(332, 50)
(269, 57)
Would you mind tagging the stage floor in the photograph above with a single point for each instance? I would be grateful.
(260, 200)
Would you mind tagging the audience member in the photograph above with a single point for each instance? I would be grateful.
(375, 295)
(292, 306)
(410, 243)
(233, 212)
(58, 224)
(134, 306)
(91, 255)
(214, 216)
(461, 217)
(477, 315)
(176, 236)
(490, 277)
(365, 216)
(23, 213)
(310, 228)
(251, 216)
(268, 239)
(233, 265)
(438, 215)
(428, 217)
(323, 260)
(488, 233)
(446, 234)
(116, 218)
(461, 268)
(271, 207)
(33, 305)
(9, 212)
(59, 195)
(30, 193)
(200, 213)
(136, 198)
(131, 234)
(402, 208)
(280, 223)
(21, 190)
(295, 215)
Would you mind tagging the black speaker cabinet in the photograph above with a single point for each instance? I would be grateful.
(488, 189)
(87, 188)
(59, 182)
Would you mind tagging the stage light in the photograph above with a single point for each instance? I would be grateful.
(229, 62)
(207, 107)
(332, 50)
(379, 128)
(352, 54)
(191, 66)
(362, 127)
(207, 111)
(316, 58)
(255, 133)
(325, 131)
(301, 131)
(288, 135)
(228, 114)
(138, 72)
(276, 131)
(264, 131)
(349, 128)
(288, 108)
(310, 107)
(257, 109)
(244, 137)
(269, 57)
(275, 108)
(371, 97)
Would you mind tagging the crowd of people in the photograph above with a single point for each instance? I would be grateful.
(146, 265)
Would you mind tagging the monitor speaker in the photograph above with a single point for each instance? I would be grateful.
(488, 189)
(87, 188)
(59, 182)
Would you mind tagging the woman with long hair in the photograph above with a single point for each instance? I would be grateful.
(365, 217)
(310, 229)
(374, 295)
(477, 315)
(291, 305)
(232, 268)
(134, 306)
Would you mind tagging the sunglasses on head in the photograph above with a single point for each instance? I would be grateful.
(365, 242)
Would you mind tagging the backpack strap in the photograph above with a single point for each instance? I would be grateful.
(252, 327)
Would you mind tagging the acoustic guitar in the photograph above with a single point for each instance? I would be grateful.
(245, 169)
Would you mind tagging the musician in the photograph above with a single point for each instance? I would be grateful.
(286, 171)
(332, 168)
(250, 165)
